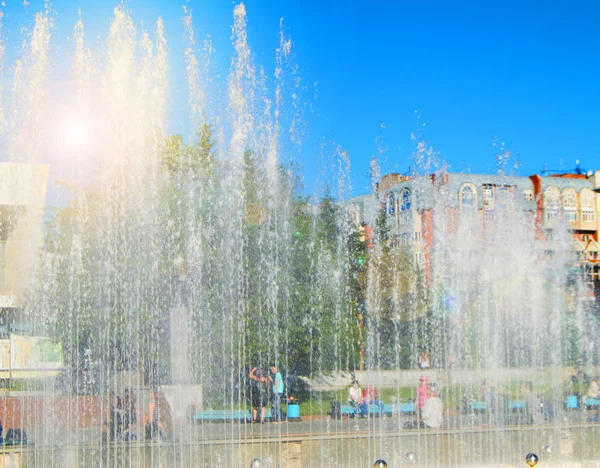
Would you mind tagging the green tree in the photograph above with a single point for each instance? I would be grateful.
(194, 160)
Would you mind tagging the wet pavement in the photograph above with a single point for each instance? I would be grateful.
(324, 425)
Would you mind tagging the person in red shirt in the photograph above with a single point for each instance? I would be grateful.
(371, 397)
(370, 394)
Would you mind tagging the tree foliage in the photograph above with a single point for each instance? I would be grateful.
(262, 274)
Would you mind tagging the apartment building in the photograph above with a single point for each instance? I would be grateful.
(413, 206)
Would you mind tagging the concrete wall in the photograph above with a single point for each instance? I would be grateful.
(29, 412)
(457, 448)
(573, 446)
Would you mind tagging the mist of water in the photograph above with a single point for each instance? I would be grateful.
(187, 261)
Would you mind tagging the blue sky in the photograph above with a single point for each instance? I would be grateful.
(457, 73)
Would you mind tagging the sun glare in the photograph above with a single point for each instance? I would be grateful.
(75, 133)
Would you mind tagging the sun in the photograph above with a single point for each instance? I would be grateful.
(75, 132)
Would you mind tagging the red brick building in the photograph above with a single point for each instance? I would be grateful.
(415, 208)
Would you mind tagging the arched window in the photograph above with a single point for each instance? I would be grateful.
(405, 200)
(391, 204)
(405, 204)
(551, 203)
(405, 240)
(468, 198)
(569, 203)
(588, 206)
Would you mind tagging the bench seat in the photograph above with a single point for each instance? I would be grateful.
(479, 406)
(592, 402)
(226, 415)
(517, 404)
(347, 409)
(512, 405)
(399, 408)
(386, 409)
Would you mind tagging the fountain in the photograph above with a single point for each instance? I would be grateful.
(176, 265)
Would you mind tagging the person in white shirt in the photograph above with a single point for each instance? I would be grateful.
(594, 389)
(432, 413)
(355, 398)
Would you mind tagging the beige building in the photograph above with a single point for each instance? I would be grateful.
(22, 199)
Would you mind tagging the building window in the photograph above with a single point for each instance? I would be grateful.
(468, 198)
(489, 197)
(418, 238)
(551, 203)
(391, 204)
(588, 210)
(591, 274)
(506, 197)
(569, 199)
(405, 200)
(528, 195)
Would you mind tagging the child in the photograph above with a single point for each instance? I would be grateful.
(422, 392)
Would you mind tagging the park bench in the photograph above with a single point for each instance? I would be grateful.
(348, 411)
(398, 409)
(395, 409)
(15, 437)
(480, 406)
(591, 403)
(225, 415)
(517, 404)
(572, 402)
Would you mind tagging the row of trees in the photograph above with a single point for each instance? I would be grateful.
(262, 274)
(257, 273)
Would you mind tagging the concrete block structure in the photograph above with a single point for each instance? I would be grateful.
(22, 198)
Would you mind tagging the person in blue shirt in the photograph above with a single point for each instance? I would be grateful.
(277, 380)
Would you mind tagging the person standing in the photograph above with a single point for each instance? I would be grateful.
(259, 394)
(155, 428)
(422, 392)
(594, 388)
(129, 417)
(432, 413)
(495, 403)
(532, 403)
(278, 388)
(424, 361)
